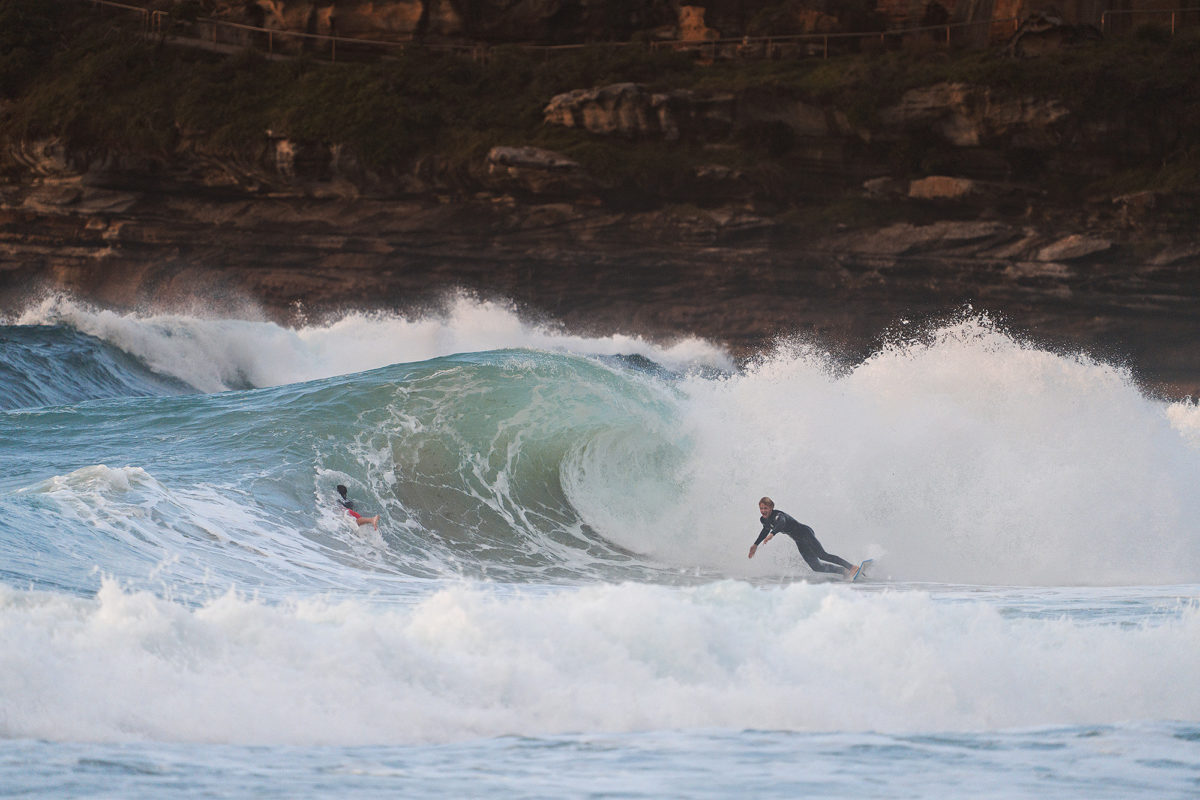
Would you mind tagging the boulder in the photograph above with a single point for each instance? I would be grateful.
(968, 116)
(903, 238)
(630, 111)
(942, 187)
(1188, 254)
(1044, 33)
(1072, 247)
(803, 119)
(721, 183)
(1137, 201)
(535, 171)
(884, 187)
(47, 158)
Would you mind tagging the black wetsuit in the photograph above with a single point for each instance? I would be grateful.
(348, 504)
(805, 539)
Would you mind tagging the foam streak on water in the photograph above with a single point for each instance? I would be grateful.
(1092, 761)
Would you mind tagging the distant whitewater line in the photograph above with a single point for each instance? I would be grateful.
(213, 354)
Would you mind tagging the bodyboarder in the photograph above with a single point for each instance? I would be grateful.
(349, 506)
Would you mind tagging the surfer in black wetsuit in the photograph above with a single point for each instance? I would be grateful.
(349, 506)
(774, 522)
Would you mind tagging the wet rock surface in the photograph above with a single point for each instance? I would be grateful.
(726, 274)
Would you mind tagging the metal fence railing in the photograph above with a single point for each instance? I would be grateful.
(1127, 19)
(948, 34)
(226, 35)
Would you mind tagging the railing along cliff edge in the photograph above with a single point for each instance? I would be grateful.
(158, 23)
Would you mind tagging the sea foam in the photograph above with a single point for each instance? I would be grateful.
(215, 354)
(971, 457)
(474, 661)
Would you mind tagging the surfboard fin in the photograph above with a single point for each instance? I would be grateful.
(859, 571)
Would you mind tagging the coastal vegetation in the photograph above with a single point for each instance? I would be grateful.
(96, 85)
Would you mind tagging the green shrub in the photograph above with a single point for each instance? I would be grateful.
(1154, 32)
(104, 88)
(29, 32)
(79, 76)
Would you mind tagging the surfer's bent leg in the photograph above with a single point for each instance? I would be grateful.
(809, 548)
(821, 554)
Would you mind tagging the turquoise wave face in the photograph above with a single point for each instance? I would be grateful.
(56, 365)
(966, 456)
(471, 461)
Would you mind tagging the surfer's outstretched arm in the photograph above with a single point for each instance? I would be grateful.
(765, 535)
(761, 540)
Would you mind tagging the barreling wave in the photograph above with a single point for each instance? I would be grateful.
(966, 456)
(477, 462)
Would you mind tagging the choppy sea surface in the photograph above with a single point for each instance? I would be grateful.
(557, 601)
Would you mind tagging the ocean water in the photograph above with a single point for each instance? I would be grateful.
(557, 602)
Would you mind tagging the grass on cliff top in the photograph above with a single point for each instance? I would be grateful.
(1131, 74)
(98, 86)
(73, 75)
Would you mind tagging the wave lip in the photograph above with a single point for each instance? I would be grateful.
(214, 354)
(55, 365)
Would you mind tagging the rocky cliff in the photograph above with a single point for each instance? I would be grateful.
(738, 210)
(109, 232)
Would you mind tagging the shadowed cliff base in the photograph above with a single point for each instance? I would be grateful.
(737, 280)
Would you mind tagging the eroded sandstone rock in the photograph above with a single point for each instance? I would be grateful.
(968, 116)
(903, 238)
(942, 187)
(1073, 247)
(631, 111)
(536, 171)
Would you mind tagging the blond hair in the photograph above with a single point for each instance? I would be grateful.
(766, 501)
